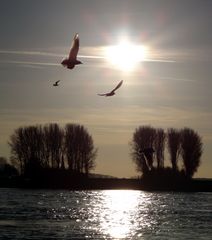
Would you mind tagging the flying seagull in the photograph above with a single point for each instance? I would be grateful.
(109, 94)
(71, 61)
(56, 83)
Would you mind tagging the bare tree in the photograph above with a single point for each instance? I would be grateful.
(191, 145)
(89, 153)
(159, 147)
(53, 136)
(69, 142)
(27, 148)
(143, 138)
(80, 151)
(17, 155)
(36, 147)
(173, 143)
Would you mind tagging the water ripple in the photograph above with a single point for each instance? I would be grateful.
(109, 214)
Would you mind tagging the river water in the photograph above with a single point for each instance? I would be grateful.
(108, 214)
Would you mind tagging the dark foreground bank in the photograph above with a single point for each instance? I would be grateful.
(193, 185)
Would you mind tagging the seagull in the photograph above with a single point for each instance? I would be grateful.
(56, 83)
(109, 94)
(71, 61)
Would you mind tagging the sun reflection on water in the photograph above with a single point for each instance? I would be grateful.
(118, 212)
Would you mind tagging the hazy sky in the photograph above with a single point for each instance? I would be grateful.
(174, 91)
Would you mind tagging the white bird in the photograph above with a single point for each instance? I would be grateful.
(109, 94)
(56, 83)
(71, 61)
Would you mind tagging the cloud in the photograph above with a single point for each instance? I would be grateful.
(86, 52)
(168, 55)
(31, 63)
(97, 54)
(182, 54)
(46, 54)
(32, 53)
(177, 79)
(108, 119)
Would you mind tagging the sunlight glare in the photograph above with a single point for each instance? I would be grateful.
(118, 213)
(125, 56)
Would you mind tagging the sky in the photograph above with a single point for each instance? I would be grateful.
(168, 85)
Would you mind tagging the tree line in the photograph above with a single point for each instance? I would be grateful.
(72, 148)
(52, 147)
(183, 145)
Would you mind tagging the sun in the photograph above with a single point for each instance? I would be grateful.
(125, 56)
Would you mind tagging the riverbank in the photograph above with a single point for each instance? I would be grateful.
(194, 185)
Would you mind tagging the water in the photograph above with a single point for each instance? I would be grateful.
(109, 214)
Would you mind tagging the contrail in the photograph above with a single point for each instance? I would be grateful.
(90, 56)
(58, 64)
(35, 53)
(177, 79)
(158, 60)
(32, 63)
(48, 54)
(39, 53)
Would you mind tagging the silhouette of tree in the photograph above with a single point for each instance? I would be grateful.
(173, 143)
(27, 148)
(80, 151)
(69, 144)
(191, 151)
(159, 147)
(143, 138)
(34, 148)
(3, 160)
(53, 138)
(17, 155)
(6, 169)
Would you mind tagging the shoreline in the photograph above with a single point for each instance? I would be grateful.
(193, 185)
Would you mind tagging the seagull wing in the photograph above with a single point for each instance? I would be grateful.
(118, 86)
(57, 82)
(112, 92)
(74, 48)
